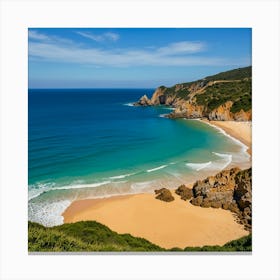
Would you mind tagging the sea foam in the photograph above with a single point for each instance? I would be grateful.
(122, 176)
(156, 168)
(130, 104)
(47, 213)
(141, 185)
(199, 166)
(43, 188)
(244, 147)
(225, 159)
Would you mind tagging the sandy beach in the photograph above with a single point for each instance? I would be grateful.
(239, 130)
(174, 224)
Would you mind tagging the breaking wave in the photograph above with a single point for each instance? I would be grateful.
(157, 168)
(199, 166)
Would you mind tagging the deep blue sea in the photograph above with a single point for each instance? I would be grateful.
(85, 143)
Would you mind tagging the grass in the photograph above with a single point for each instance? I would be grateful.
(83, 236)
(91, 236)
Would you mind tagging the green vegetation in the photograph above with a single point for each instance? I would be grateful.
(181, 93)
(236, 74)
(91, 236)
(241, 244)
(83, 236)
(240, 93)
(235, 85)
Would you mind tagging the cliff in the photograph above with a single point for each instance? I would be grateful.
(224, 96)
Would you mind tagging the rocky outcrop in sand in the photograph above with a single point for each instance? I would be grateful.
(164, 195)
(230, 190)
(184, 192)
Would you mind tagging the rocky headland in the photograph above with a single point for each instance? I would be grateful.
(225, 96)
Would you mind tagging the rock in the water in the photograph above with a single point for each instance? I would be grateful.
(143, 101)
(184, 192)
(164, 195)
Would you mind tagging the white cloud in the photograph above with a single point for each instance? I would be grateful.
(116, 58)
(185, 53)
(34, 35)
(99, 38)
(182, 47)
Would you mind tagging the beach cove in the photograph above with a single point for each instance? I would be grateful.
(114, 148)
(174, 224)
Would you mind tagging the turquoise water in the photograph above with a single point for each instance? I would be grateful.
(92, 143)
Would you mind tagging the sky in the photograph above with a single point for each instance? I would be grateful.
(132, 57)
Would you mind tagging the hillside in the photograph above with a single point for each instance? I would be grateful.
(91, 236)
(224, 96)
(83, 236)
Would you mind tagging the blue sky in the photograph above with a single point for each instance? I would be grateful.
(132, 57)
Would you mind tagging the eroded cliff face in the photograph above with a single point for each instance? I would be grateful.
(155, 100)
(188, 107)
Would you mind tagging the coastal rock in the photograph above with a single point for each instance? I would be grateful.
(158, 96)
(243, 195)
(243, 116)
(217, 188)
(219, 99)
(206, 203)
(143, 101)
(216, 204)
(184, 192)
(164, 195)
(222, 113)
(243, 190)
(197, 200)
(230, 190)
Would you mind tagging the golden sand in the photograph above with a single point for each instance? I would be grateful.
(168, 224)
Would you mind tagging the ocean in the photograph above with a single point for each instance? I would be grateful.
(92, 143)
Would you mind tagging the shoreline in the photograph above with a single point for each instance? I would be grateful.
(234, 129)
(174, 224)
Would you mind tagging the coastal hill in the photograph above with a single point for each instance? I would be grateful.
(224, 96)
(91, 236)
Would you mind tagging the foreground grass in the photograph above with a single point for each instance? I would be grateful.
(92, 236)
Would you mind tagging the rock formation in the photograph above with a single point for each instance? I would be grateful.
(164, 195)
(230, 190)
(143, 101)
(184, 192)
(186, 98)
